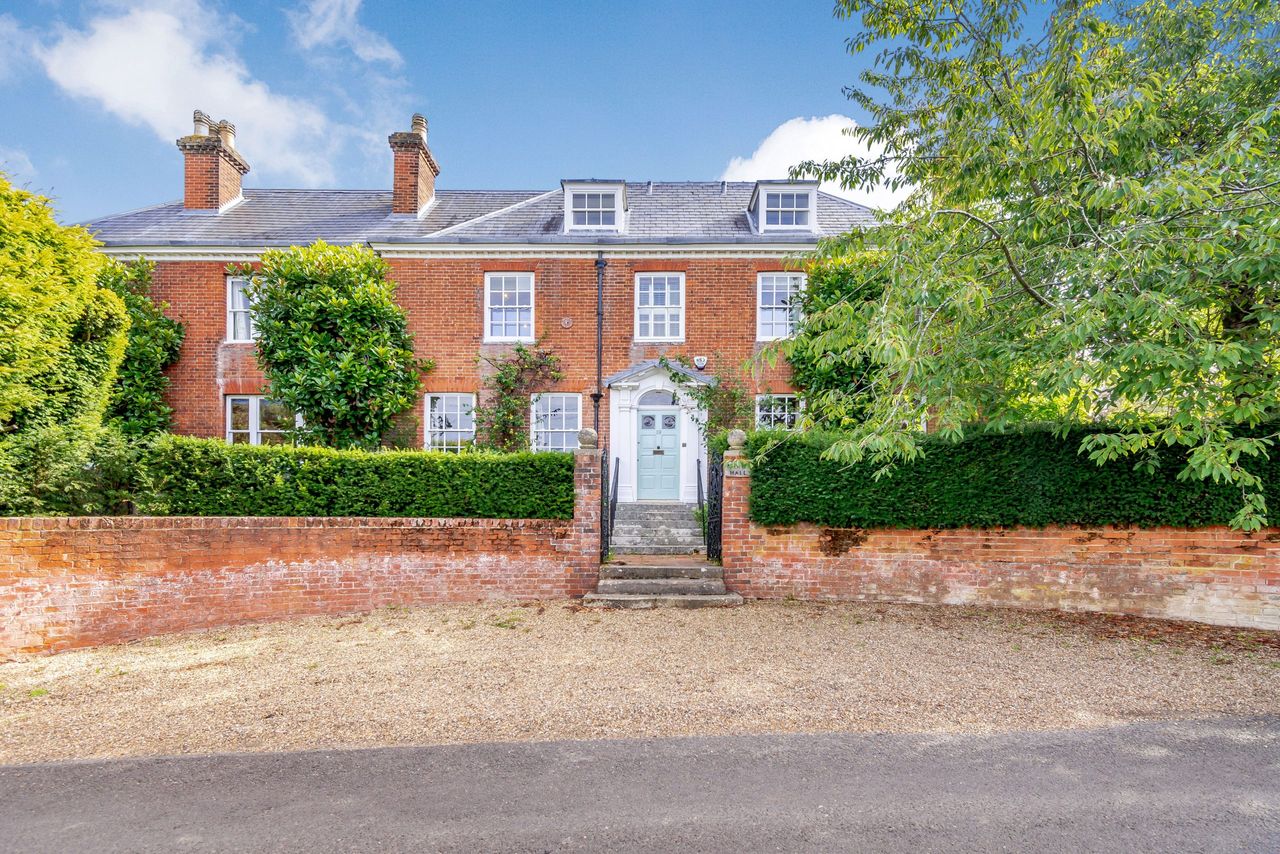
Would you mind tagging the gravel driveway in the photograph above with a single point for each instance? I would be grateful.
(452, 674)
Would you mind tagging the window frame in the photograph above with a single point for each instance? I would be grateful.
(254, 429)
(797, 315)
(636, 308)
(534, 400)
(232, 311)
(618, 189)
(793, 409)
(489, 338)
(810, 209)
(428, 430)
(587, 209)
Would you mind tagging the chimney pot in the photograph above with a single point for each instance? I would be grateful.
(202, 123)
(227, 133)
(419, 125)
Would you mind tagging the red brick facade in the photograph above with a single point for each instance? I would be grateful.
(444, 300)
(1213, 575)
(67, 583)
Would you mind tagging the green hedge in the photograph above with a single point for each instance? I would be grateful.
(208, 477)
(1030, 478)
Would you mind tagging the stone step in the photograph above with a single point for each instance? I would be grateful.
(645, 600)
(622, 570)
(673, 542)
(662, 586)
(638, 511)
(650, 549)
(668, 537)
(633, 529)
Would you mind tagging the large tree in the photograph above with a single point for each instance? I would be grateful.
(62, 334)
(1093, 225)
(334, 343)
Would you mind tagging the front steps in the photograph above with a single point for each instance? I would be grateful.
(656, 529)
(661, 583)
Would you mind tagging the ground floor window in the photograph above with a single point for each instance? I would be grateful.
(556, 420)
(258, 420)
(451, 424)
(777, 411)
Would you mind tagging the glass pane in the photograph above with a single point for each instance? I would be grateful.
(668, 422)
(239, 413)
(657, 397)
(239, 438)
(273, 438)
(648, 421)
(771, 218)
(274, 415)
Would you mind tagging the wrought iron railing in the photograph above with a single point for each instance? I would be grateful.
(608, 502)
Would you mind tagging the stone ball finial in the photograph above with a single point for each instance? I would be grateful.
(737, 440)
(587, 438)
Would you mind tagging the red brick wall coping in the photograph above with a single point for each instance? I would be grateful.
(1211, 575)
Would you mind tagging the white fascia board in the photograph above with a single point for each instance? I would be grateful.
(483, 250)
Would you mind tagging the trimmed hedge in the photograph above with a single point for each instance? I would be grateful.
(208, 477)
(1030, 478)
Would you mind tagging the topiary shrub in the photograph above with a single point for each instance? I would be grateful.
(1033, 477)
(208, 477)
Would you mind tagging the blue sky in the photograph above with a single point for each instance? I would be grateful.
(518, 94)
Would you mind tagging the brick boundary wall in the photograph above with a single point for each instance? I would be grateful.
(76, 582)
(1211, 575)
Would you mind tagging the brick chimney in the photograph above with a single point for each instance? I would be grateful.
(413, 182)
(213, 167)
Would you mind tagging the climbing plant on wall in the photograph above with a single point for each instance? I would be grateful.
(502, 413)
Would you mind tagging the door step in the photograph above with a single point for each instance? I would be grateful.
(675, 584)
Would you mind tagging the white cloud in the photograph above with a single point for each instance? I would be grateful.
(330, 23)
(15, 163)
(15, 46)
(800, 139)
(152, 63)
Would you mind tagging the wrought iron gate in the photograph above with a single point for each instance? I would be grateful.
(715, 500)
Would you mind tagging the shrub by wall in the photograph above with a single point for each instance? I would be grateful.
(1031, 478)
(207, 477)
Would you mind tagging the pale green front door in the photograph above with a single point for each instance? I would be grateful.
(658, 455)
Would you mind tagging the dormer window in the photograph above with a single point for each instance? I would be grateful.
(593, 210)
(786, 210)
(785, 205)
(594, 205)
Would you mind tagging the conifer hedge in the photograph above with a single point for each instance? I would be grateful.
(208, 477)
(1031, 477)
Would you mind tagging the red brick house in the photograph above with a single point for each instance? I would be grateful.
(611, 275)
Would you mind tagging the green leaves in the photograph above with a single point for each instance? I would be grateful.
(208, 477)
(1034, 477)
(61, 334)
(138, 406)
(502, 414)
(1092, 234)
(334, 343)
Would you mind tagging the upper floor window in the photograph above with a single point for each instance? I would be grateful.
(787, 209)
(239, 310)
(451, 423)
(508, 301)
(778, 305)
(594, 210)
(556, 420)
(777, 411)
(253, 419)
(660, 307)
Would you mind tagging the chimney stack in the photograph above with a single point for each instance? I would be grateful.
(213, 168)
(413, 180)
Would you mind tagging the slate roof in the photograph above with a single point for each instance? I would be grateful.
(658, 212)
